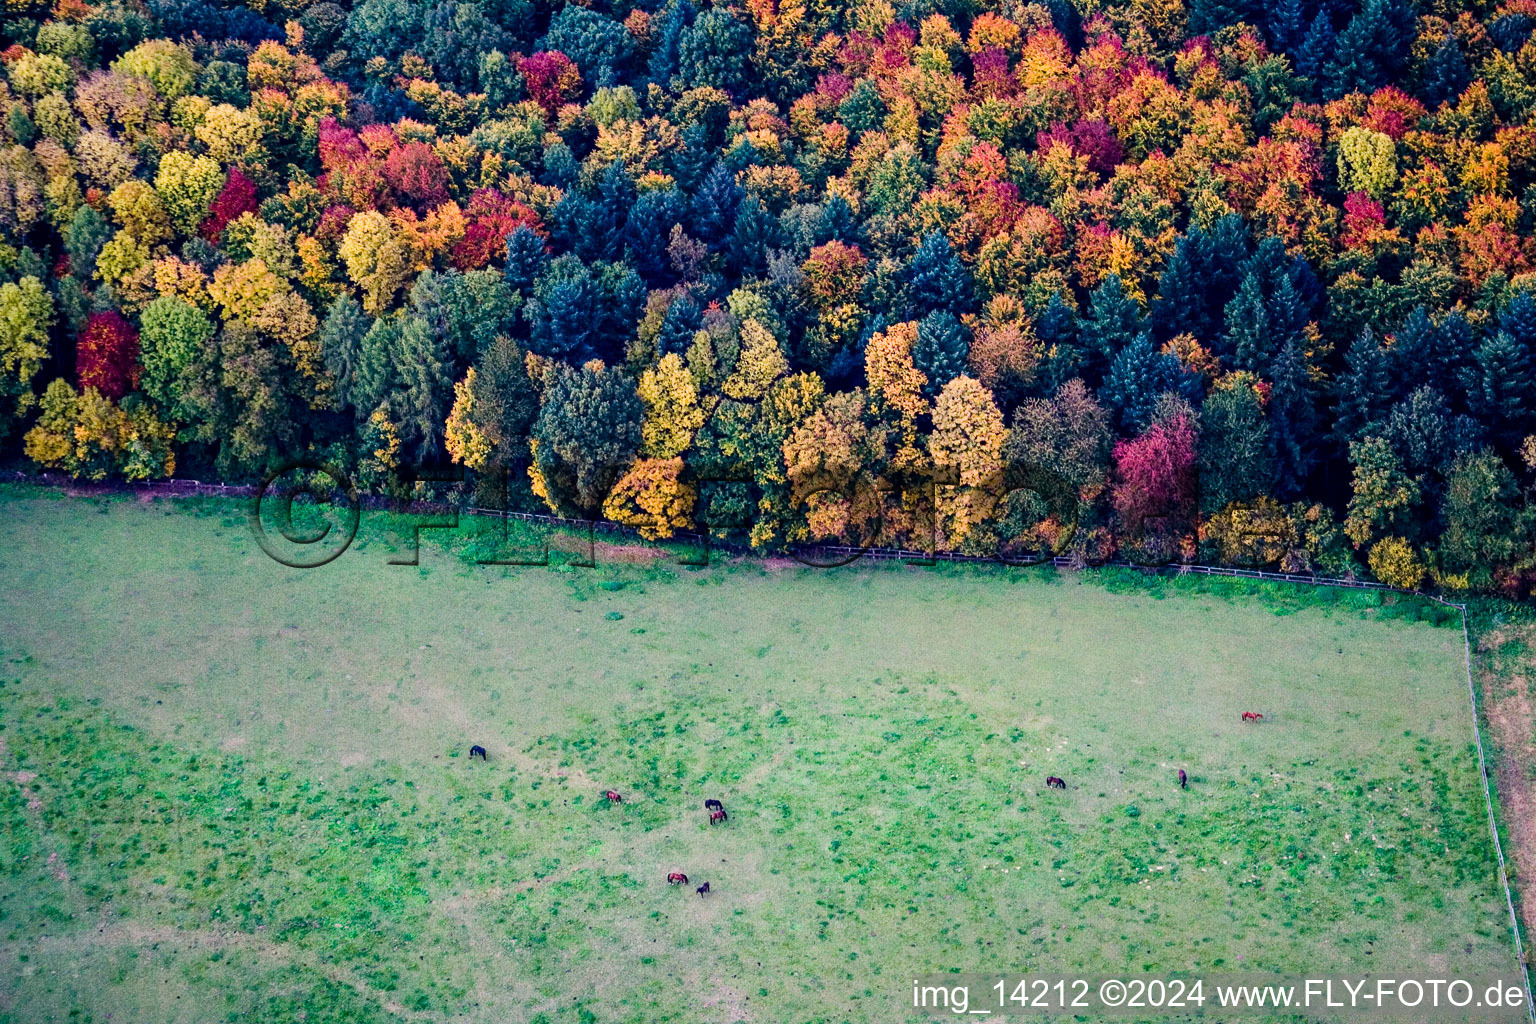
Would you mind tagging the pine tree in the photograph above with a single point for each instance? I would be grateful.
(1180, 306)
(1138, 375)
(663, 63)
(341, 343)
(1370, 51)
(837, 222)
(1445, 75)
(681, 322)
(375, 379)
(1200, 279)
(713, 52)
(1503, 379)
(935, 279)
(1292, 420)
(1419, 430)
(1249, 335)
(1364, 388)
(616, 197)
(715, 207)
(1416, 355)
(426, 388)
(647, 230)
(1057, 327)
(1287, 26)
(1316, 50)
(1518, 320)
(941, 349)
(1206, 17)
(527, 259)
(620, 303)
(755, 231)
(1112, 323)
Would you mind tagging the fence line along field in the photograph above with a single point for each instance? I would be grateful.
(237, 791)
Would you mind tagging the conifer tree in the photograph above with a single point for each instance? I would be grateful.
(1363, 389)
(941, 349)
(1502, 382)
(527, 259)
(935, 279)
(755, 231)
(1113, 321)
(1292, 419)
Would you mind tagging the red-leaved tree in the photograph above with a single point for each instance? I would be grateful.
(107, 354)
(551, 78)
(1154, 484)
(492, 217)
(236, 197)
(417, 175)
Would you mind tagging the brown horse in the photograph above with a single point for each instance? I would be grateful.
(1252, 716)
(718, 816)
(1052, 782)
(614, 796)
(677, 878)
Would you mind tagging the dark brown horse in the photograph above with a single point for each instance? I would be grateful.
(703, 889)
(1052, 782)
(1183, 779)
(477, 751)
(713, 805)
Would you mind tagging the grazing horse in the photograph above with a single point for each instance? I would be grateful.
(1251, 716)
(1183, 779)
(1052, 782)
(677, 878)
(701, 890)
(713, 805)
(614, 796)
(477, 751)
(718, 815)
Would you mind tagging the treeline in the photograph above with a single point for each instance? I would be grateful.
(802, 271)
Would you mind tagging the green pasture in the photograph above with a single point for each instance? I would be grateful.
(234, 791)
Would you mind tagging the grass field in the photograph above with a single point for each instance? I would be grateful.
(236, 791)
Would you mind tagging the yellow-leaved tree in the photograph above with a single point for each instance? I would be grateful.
(653, 497)
(672, 410)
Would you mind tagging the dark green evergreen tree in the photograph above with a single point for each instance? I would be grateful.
(1371, 50)
(1138, 375)
(647, 231)
(1292, 422)
(1113, 322)
(600, 46)
(1056, 327)
(527, 259)
(714, 51)
(1445, 75)
(755, 231)
(1363, 389)
(715, 207)
(426, 389)
(587, 434)
(1501, 394)
(937, 280)
(681, 322)
(1236, 460)
(341, 343)
(941, 349)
